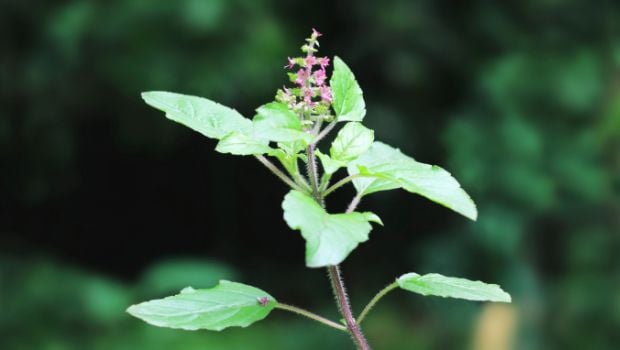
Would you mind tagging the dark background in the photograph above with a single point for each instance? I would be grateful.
(104, 202)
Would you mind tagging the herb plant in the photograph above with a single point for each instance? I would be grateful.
(289, 131)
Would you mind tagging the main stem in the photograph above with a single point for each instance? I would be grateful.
(345, 308)
(335, 276)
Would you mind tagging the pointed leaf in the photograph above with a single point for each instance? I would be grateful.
(352, 140)
(228, 304)
(276, 122)
(348, 102)
(242, 144)
(372, 217)
(329, 237)
(200, 114)
(452, 287)
(388, 169)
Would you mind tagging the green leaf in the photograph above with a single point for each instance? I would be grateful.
(386, 168)
(452, 287)
(291, 148)
(276, 122)
(242, 144)
(329, 165)
(348, 101)
(228, 304)
(200, 114)
(289, 161)
(352, 140)
(330, 238)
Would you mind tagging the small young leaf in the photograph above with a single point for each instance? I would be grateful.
(387, 168)
(228, 304)
(329, 237)
(289, 161)
(200, 114)
(352, 140)
(242, 144)
(276, 122)
(452, 287)
(329, 165)
(348, 101)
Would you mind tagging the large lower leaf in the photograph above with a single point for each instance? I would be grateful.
(330, 238)
(452, 287)
(228, 304)
(200, 114)
(348, 102)
(385, 168)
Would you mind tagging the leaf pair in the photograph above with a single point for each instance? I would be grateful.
(231, 304)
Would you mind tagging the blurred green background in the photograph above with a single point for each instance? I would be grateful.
(104, 202)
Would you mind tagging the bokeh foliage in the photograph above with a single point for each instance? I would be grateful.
(518, 99)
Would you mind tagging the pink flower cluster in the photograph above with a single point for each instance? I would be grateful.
(311, 77)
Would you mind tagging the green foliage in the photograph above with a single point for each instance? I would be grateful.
(295, 123)
(228, 304)
(523, 95)
(200, 114)
(329, 237)
(385, 168)
(352, 140)
(276, 122)
(242, 144)
(452, 287)
(348, 103)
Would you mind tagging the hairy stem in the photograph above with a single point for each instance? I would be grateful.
(311, 315)
(345, 308)
(375, 300)
(313, 174)
(277, 172)
(334, 271)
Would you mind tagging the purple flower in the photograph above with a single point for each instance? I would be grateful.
(326, 94)
(324, 62)
(319, 77)
(315, 33)
(302, 77)
(310, 61)
(291, 63)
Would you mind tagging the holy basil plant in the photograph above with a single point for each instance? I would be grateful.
(288, 131)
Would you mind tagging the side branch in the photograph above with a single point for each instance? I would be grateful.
(277, 172)
(375, 300)
(312, 316)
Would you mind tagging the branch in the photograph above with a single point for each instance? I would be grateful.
(340, 183)
(324, 132)
(312, 316)
(375, 300)
(277, 172)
